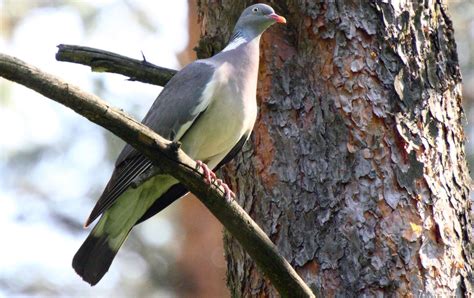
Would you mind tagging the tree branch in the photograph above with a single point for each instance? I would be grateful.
(172, 160)
(104, 61)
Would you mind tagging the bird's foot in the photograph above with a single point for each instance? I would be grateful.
(209, 175)
(229, 194)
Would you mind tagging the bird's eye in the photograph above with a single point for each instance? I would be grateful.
(255, 9)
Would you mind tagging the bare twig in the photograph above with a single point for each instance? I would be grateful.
(169, 157)
(104, 61)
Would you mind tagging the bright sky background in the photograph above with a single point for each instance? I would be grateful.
(32, 242)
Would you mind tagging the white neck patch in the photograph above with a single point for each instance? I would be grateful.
(234, 44)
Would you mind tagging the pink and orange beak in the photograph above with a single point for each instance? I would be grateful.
(277, 18)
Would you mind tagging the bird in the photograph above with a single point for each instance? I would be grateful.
(210, 108)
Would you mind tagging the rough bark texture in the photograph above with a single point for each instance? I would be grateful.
(356, 168)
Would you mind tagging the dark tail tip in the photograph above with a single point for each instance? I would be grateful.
(93, 259)
(93, 216)
(86, 223)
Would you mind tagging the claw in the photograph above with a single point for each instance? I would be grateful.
(229, 194)
(213, 176)
(209, 175)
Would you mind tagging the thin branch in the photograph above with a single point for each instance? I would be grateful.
(172, 160)
(104, 61)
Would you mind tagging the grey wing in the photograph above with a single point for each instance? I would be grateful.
(175, 109)
(178, 190)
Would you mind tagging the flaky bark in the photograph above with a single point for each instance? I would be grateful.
(356, 168)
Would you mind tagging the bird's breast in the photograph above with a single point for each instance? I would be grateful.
(231, 113)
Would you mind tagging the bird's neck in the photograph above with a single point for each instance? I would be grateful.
(243, 53)
(240, 38)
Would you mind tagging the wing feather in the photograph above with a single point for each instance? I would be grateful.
(178, 190)
(121, 179)
(178, 105)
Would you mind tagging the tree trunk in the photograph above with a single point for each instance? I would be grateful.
(356, 168)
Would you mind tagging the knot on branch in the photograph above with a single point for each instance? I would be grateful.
(174, 147)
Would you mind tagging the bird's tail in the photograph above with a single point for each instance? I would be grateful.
(96, 254)
(94, 257)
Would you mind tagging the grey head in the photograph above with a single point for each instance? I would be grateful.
(255, 19)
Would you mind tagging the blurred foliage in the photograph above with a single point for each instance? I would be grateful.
(54, 164)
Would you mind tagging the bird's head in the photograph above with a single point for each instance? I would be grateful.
(256, 18)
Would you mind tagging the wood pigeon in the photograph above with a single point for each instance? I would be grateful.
(210, 108)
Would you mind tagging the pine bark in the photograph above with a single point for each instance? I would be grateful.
(356, 168)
